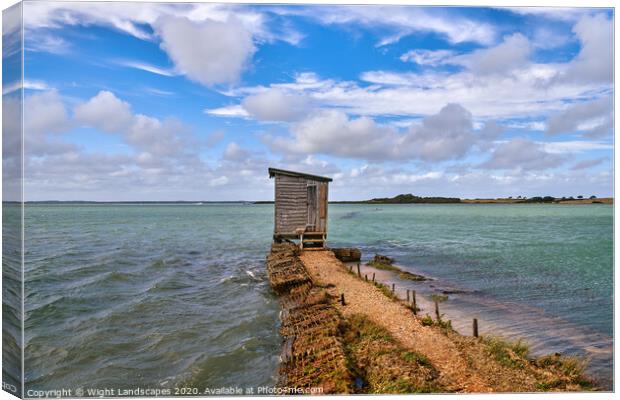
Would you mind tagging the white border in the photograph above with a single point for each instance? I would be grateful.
(544, 3)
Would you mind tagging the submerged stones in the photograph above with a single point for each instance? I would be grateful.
(380, 259)
(347, 254)
(386, 263)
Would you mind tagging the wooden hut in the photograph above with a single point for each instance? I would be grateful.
(300, 207)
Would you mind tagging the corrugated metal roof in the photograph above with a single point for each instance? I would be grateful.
(276, 171)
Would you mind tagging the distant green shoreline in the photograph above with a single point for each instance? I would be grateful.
(400, 199)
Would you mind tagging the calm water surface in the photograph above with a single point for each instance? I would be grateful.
(160, 295)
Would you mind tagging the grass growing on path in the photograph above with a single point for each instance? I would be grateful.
(387, 367)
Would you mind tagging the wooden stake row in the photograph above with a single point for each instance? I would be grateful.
(411, 295)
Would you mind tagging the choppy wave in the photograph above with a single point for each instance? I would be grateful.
(144, 296)
(157, 296)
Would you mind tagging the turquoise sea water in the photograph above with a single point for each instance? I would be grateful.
(158, 295)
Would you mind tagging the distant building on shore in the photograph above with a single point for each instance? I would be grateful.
(300, 207)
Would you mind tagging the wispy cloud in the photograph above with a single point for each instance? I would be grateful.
(228, 111)
(46, 42)
(585, 164)
(28, 84)
(400, 21)
(147, 67)
(568, 14)
(428, 57)
(158, 92)
(575, 146)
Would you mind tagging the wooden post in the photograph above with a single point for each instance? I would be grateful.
(350, 268)
(359, 274)
(373, 277)
(475, 327)
(393, 288)
(366, 277)
(437, 310)
(415, 305)
(407, 296)
(342, 300)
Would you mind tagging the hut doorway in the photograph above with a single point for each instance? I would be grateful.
(312, 208)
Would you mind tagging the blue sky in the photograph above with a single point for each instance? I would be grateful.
(157, 101)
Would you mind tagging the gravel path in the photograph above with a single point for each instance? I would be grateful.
(363, 297)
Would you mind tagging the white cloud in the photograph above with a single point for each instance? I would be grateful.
(525, 92)
(222, 180)
(513, 53)
(46, 42)
(443, 136)
(218, 57)
(276, 105)
(234, 152)
(45, 119)
(158, 92)
(124, 17)
(44, 113)
(10, 87)
(408, 94)
(546, 38)
(521, 153)
(585, 164)
(35, 85)
(106, 112)
(490, 131)
(131, 18)
(28, 84)
(385, 78)
(555, 13)
(165, 154)
(574, 146)
(530, 125)
(187, 32)
(332, 132)
(228, 111)
(147, 67)
(428, 57)
(214, 138)
(152, 137)
(593, 119)
(368, 181)
(595, 62)
(401, 21)
(526, 89)
(159, 138)
(11, 144)
(12, 33)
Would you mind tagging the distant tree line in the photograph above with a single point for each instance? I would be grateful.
(550, 199)
(411, 199)
(538, 199)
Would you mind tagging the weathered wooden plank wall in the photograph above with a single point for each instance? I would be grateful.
(291, 203)
(300, 202)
